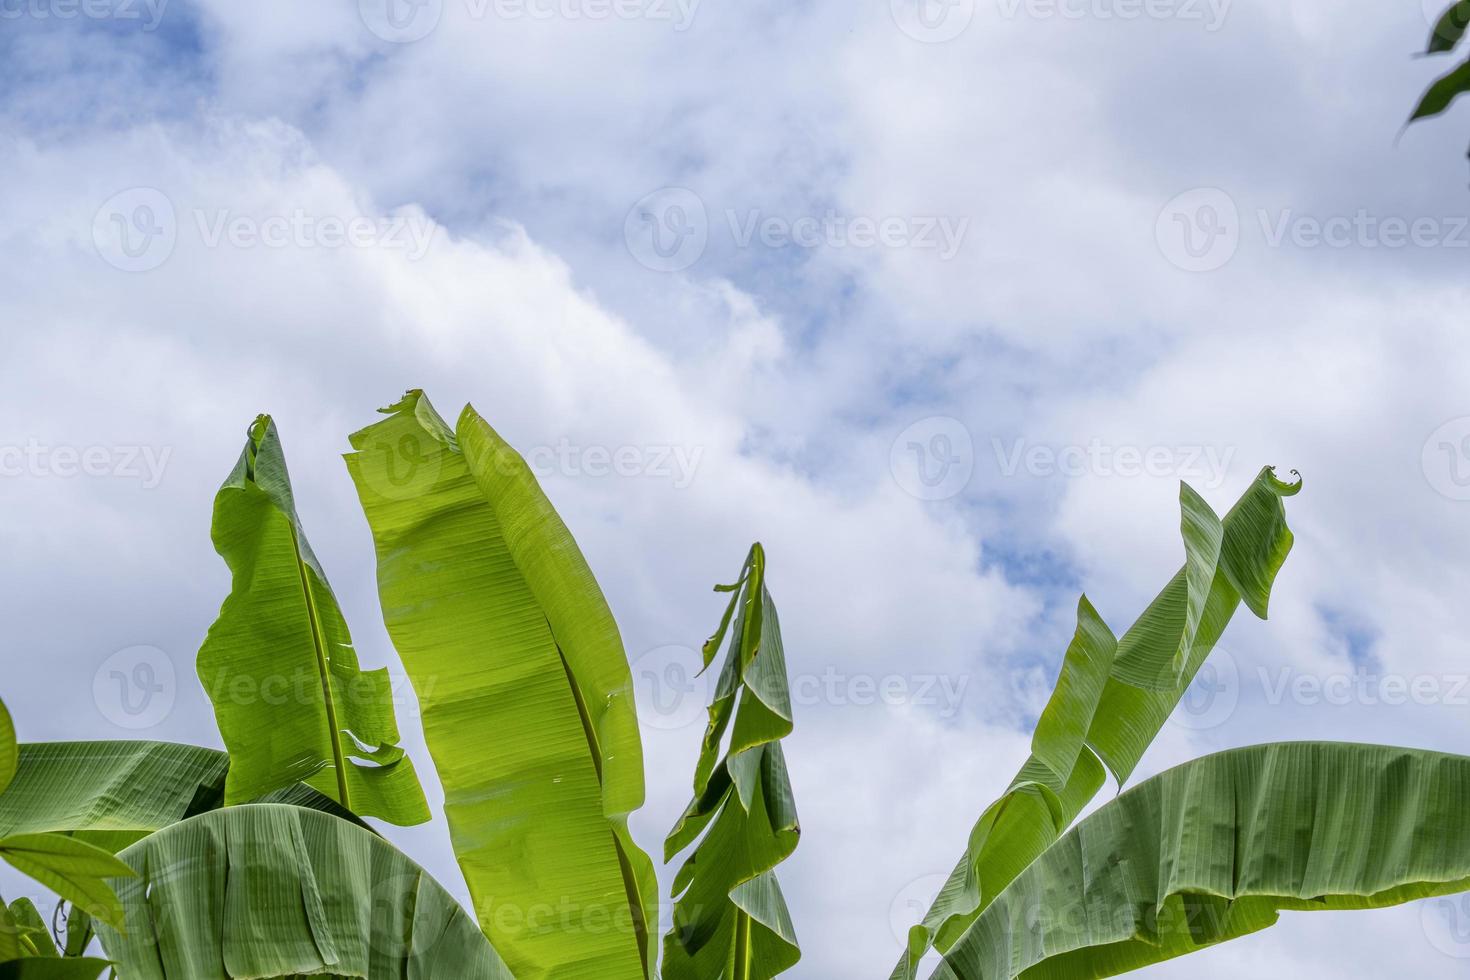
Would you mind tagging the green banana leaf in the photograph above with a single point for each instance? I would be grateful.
(269, 890)
(113, 794)
(1217, 848)
(525, 691)
(1121, 714)
(730, 919)
(291, 701)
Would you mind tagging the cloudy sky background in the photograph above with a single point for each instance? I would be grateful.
(906, 298)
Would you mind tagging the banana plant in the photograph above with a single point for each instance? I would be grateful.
(730, 920)
(1207, 852)
(1449, 31)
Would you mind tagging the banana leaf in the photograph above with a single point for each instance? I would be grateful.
(1148, 670)
(525, 692)
(270, 890)
(1215, 849)
(291, 701)
(730, 919)
(113, 794)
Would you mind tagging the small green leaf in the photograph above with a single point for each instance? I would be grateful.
(1450, 28)
(73, 869)
(1443, 93)
(33, 932)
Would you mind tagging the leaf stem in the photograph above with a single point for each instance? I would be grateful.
(323, 666)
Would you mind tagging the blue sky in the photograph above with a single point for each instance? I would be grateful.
(939, 309)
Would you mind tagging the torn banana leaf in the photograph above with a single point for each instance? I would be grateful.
(291, 701)
(730, 919)
(1148, 671)
(525, 691)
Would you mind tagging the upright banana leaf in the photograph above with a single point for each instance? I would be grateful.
(525, 691)
(291, 701)
(279, 891)
(1217, 848)
(113, 794)
(730, 919)
(1120, 693)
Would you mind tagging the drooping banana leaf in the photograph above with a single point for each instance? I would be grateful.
(525, 691)
(1215, 849)
(112, 794)
(291, 701)
(730, 919)
(1121, 719)
(269, 890)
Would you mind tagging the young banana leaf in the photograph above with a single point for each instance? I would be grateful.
(279, 891)
(1217, 848)
(525, 691)
(291, 701)
(730, 919)
(1113, 698)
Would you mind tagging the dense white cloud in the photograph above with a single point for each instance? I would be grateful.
(486, 174)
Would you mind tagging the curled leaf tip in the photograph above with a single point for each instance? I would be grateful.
(1283, 487)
